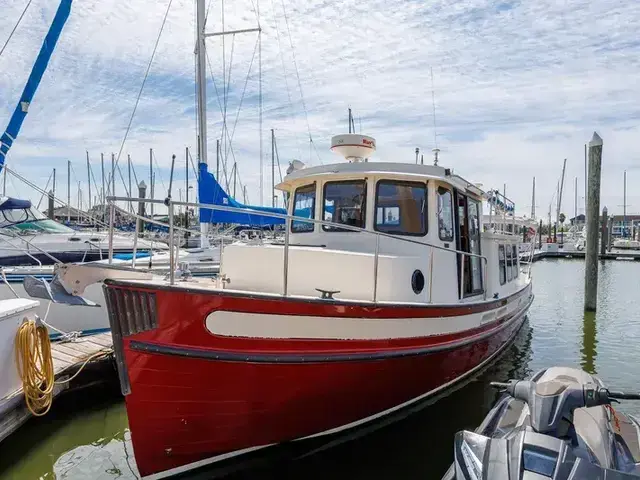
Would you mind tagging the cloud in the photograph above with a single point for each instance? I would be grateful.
(518, 87)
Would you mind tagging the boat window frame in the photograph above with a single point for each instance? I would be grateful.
(516, 261)
(509, 262)
(502, 265)
(313, 209)
(425, 211)
(363, 208)
(453, 222)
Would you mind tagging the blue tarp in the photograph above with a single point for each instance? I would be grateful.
(10, 203)
(210, 191)
(40, 65)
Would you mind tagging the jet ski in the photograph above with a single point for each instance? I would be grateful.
(559, 425)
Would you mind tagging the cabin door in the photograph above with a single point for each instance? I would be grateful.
(468, 240)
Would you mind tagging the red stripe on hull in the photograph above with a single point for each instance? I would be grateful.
(182, 410)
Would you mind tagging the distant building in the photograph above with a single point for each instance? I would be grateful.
(61, 214)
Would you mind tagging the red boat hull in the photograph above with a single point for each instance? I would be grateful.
(196, 396)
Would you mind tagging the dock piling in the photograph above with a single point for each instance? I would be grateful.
(593, 210)
(604, 236)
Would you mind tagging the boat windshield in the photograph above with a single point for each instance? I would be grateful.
(23, 220)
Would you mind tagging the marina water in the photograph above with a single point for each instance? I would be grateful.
(88, 436)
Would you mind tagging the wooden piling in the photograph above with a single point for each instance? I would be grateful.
(142, 190)
(593, 210)
(604, 235)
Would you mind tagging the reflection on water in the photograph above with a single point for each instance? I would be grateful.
(77, 443)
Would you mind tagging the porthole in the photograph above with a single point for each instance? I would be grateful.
(417, 282)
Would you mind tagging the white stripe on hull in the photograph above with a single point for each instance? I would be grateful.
(264, 325)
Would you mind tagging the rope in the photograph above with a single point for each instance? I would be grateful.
(35, 366)
(15, 27)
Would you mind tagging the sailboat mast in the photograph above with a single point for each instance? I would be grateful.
(151, 177)
(104, 206)
(68, 190)
(533, 199)
(273, 168)
(89, 178)
(201, 94)
(624, 207)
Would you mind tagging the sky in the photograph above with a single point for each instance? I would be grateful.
(516, 87)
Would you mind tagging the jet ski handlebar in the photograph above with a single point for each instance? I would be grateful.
(586, 395)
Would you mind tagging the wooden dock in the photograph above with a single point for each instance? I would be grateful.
(628, 256)
(68, 357)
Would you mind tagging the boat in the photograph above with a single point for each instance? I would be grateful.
(27, 237)
(626, 244)
(560, 424)
(384, 292)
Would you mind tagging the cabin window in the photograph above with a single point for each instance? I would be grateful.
(509, 264)
(445, 214)
(514, 255)
(345, 203)
(502, 266)
(304, 205)
(401, 208)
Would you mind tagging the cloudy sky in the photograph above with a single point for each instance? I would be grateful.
(519, 86)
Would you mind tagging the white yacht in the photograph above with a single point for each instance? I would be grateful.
(27, 237)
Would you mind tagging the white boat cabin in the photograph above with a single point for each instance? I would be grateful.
(427, 215)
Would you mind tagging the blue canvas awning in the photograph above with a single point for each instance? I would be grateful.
(9, 203)
(210, 191)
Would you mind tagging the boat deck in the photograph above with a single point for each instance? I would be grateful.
(68, 357)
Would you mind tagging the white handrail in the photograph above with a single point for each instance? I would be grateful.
(288, 219)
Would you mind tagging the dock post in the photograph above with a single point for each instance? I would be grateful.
(540, 235)
(593, 210)
(610, 235)
(604, 236)
(142, 190)
(50, 210)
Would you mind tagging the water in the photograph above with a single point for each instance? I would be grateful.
(80, 441)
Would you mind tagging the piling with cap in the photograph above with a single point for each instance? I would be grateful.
(593, 210)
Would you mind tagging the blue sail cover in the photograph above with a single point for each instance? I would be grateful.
(19, 114)
(210, 191)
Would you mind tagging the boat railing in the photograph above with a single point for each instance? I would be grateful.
(174, 252)
(4, 234)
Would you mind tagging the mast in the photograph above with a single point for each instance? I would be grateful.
(575, 200)
(201, 94)
(273, 166)
(68, 190)
(560, 189)
(129, 194)
(89, 178)
(54, 182)
(217, 160)
(624, 207)
(533, 199)
(39, 67)
(151, 177)
(112, 182)
(186, 187)
(104, 196)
